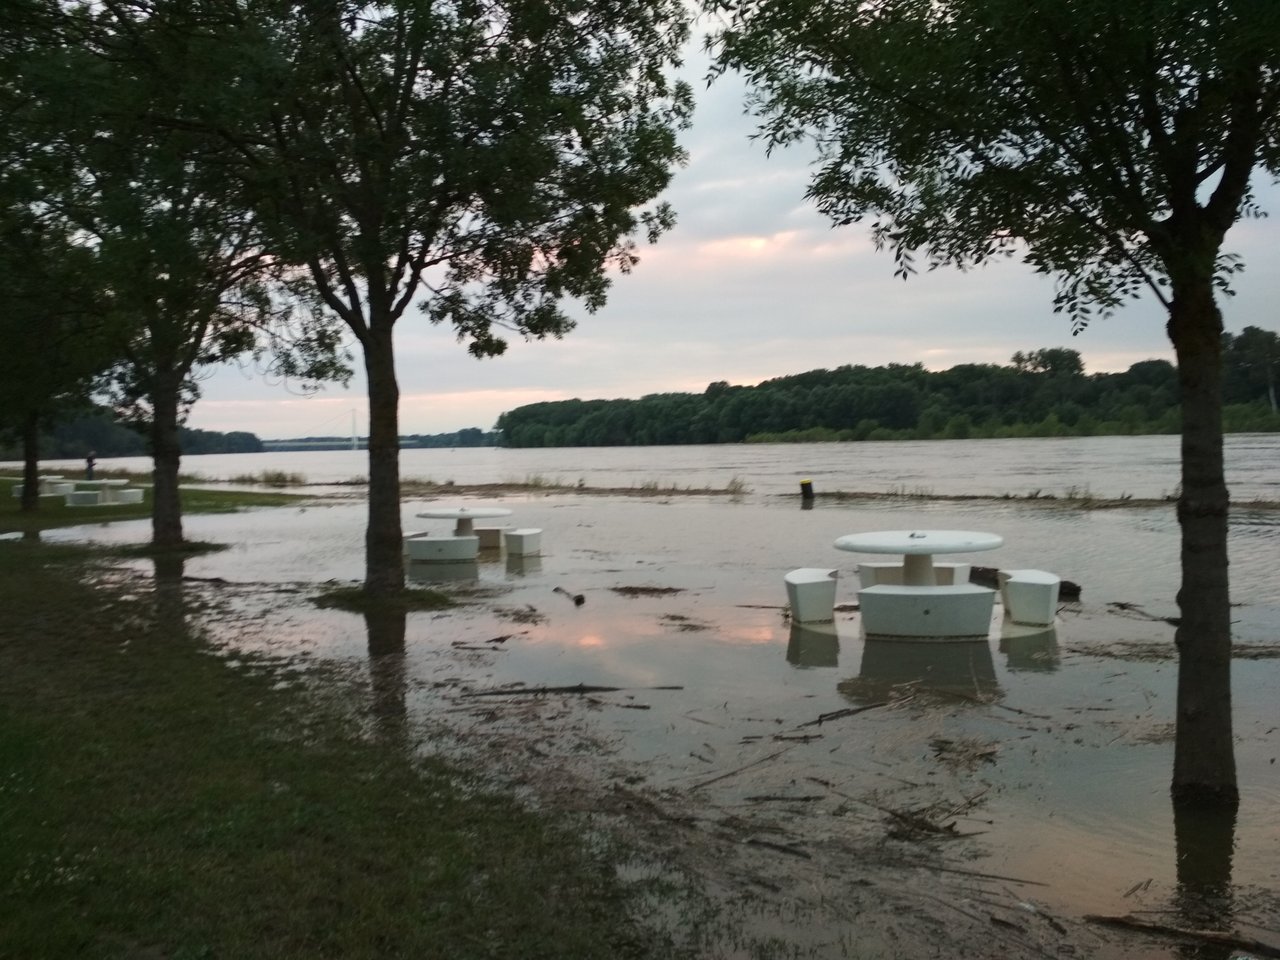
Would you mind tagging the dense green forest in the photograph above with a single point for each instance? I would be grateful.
(1042, 393)
(101, 433)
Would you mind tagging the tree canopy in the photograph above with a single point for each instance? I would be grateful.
(489, 158)
(1112, 145)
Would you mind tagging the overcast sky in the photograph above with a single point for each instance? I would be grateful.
(751, 284)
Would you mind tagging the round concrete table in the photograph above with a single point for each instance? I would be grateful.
(465, 516)
(918, 547)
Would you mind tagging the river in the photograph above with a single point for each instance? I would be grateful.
(1105, 467)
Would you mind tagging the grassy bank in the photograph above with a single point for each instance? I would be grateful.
(54, 511)
(156, 802)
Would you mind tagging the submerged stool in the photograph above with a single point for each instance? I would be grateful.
(526, 542)
(811, 591)
(490, 537)
(890, 574)
(1030, 596)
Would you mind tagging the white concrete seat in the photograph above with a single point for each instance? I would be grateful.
(525, 542)
(876, 574)
(871, 574)
(128, 495)
(1030, 596)
(421, 547)
(490, 537)
(18, 488)
(811, 591)
(83, 498)
(951, 610)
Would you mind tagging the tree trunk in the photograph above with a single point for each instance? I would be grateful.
(166, 455)
(384, 562)
(1204, 768)
(30, 463)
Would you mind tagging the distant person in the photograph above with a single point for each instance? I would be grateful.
(88, 465)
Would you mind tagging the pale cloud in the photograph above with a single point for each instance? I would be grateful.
(751, 247)
(753, 283)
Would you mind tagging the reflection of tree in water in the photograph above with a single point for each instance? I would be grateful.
(957, 668)
(387, 671)
(170, 592)
(1204, 835)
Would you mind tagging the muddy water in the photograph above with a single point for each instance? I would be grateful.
(1144, 467)
(1044, 755)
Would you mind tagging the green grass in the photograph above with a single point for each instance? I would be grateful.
(355, 600)
(156, 802)
(54, 512)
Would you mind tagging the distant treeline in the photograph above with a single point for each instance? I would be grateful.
(1043, 393)
(104, 436)
(466, 437)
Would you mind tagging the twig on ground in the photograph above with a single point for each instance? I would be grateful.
(846, 712)
(578, 688)
(1130, 922)
(753, 763)
(780, 847)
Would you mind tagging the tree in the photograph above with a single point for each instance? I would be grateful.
(490, 156)
(1253, 364)
(51, 326)
(185, 275)
(53, 322)
(1112, 145)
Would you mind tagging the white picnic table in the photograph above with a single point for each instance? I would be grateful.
(465, 516)
(918, 548)
(919, 608)
(107, 489)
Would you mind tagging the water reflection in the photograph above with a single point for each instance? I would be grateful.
(438, 571)
(955, 668)
(523, 566)
(170, 591)
(1205, 842)
(1030, 649)
(387, 678)
(813, 645)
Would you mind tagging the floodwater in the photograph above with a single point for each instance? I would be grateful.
(1104, 467)
(1039, 760)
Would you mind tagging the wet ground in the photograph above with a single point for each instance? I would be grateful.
(843, 797)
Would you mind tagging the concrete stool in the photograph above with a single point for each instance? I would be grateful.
(811, 591)
(526, 542)
(83, 498)
(878, 574)
(1030, 596)
(490, 537)
(419, 546)
(873, 574)
(129, 495)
